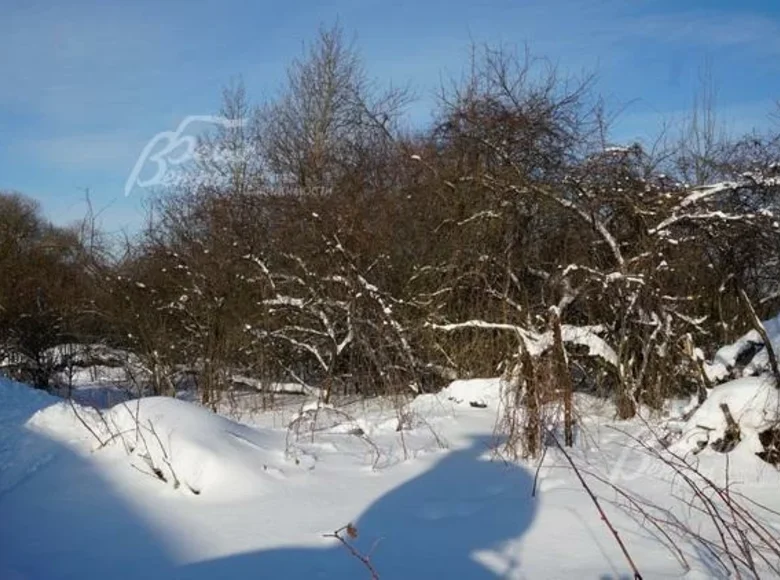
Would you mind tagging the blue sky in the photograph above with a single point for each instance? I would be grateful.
(85, 85)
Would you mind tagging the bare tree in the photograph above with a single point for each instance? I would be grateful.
(328, 115)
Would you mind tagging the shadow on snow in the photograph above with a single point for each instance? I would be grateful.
(60, 519)
(429, 527)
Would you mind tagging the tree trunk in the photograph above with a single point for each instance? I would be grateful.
(563, 379)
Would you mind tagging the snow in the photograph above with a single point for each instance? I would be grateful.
(205, 453)
(586, 336)
(286, 388)
(754, 404)
(419, 479)
(726, 358)
(20, 455)
(485, 392)
(538, 343)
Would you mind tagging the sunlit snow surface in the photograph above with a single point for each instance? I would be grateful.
(254, 500)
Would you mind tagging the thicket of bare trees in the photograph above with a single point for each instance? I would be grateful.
(46, 289)
(321, 242)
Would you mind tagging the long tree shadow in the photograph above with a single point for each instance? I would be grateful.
(431, 527)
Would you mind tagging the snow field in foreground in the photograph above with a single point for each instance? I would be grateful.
(254, 501)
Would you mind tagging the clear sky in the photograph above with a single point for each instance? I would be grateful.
(84, 85)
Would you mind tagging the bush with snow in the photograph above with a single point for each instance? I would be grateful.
(746, 356)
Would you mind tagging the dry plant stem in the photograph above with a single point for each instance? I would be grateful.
(118, 435)
(166, 458)
(595, 500)
(721, 525)
(117, 432)
(365, 559)
(743, 515)
(648, 517)
(538, 469)
(158, 473)
(735, 545)
(150, 474)
(85, 424)
(708, 508)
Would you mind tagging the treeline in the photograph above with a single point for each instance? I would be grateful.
(319, 240)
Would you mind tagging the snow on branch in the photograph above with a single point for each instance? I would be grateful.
(703, 216)
(699, 195)
(487, 214)
(539, 343)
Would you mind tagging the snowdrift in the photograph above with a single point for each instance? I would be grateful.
(430, 504)
(746, 356)
(754, 404)
(475, 393)
(179, 443)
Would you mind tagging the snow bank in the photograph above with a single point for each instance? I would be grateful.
(727, 359)
(206, 453)
(18, 401)
(474, 392)
(178, 442)
(441, 511)
(753, 402)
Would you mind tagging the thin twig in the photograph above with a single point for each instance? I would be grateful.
(85, 424)
(364, 558)
(538, 469)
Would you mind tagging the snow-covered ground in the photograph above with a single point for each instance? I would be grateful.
(162, 488)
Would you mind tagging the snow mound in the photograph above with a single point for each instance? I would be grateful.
(203, 451)
(754, 404)
(19, 401)
(180, 443)
(463, 393)
(477, 393)
(747, 351)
